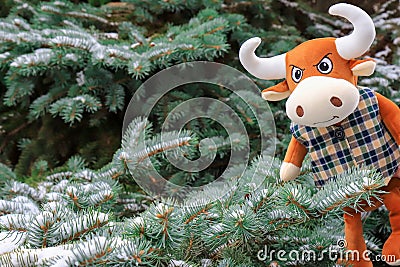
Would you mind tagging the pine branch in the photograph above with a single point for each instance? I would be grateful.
(349, 189)
(79, 226)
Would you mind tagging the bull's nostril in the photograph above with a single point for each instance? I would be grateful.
(336, 101)
(300, 111)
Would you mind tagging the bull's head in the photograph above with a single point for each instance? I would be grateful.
(321, 74)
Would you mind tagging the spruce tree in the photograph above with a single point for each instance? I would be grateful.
(68, 194)
(83, 217)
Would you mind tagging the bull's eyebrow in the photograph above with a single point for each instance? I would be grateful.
(291, 65)
(322, 59)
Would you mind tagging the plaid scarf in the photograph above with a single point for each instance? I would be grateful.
(361, 139)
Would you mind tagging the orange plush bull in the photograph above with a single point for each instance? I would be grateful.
(338, 123)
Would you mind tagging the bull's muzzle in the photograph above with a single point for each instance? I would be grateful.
(321, 101)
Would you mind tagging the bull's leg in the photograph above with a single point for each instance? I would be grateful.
(355, 240)
(391, 249)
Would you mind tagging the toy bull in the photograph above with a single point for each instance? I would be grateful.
(340, 124)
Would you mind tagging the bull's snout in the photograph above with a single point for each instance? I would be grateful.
(322, 101)
(300, 111)
(336, 101)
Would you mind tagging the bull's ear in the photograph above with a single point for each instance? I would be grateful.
(363, 67)
(276, 92)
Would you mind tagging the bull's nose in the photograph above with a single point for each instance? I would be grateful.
(336, 101)
(300, 111)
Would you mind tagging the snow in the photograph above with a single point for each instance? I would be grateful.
(40, 56)
(53, 196)
(31, 208)
(238, 214)
(71, 57)
(24, 189)
(98, 52)
(36, 257)
(51, 206)
(217, 227)
(80, 78)
(123, 155)
(15, 221)
(11, 241)
(47, 32)
(289, 3)
(5, 55)
(133, 207)
(18, 206)
(88, 249)
(100, 196)
(17, 21)
(375, 81)
(323, 27)
(8, 26)
(76, 225)
(133, 46)
(176, 263)
(139, 221)
(126, 54)
(80, 98)
(81, 42)
(44, 217)
(111, 35)
(71, 190)
(384, 53)
(206, 262)
(58, 176)
(90, 188)
(60, 187)
(53, 252)
(86, 174)
(59, 3)
(162, 207)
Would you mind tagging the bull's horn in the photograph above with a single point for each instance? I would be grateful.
(263, 68)
(360, 40)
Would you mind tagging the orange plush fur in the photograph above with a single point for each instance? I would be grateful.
(306, 57)
(390, 114)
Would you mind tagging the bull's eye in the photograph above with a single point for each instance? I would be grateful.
(325, 66)
(297, 74)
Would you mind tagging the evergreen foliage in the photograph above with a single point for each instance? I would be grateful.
(70, 69)
(67, 190)
(76, 218)
(71, 62)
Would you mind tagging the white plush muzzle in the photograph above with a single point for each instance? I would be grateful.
(320, 101)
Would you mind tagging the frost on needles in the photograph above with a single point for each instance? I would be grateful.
(75, 216)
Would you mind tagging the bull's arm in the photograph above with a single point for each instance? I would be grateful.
(294, 157)
(390, 114)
